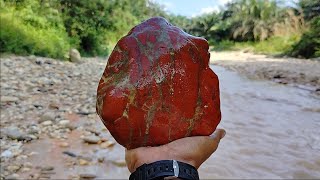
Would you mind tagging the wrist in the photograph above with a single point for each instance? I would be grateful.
(165, 169)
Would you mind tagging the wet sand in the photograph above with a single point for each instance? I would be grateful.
(272, 129)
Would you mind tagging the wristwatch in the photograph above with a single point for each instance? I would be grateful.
(165, 169)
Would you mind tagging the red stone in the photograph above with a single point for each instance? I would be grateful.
(157, 87)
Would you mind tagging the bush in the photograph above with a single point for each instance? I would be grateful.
(309, 45)
(224, 45)
(27, 32)
(274, 45)
(97, 24)
(19, 38)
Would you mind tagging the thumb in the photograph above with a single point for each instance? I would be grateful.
(209, 145)
(218, 134)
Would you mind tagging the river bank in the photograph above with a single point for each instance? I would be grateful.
(301, 73)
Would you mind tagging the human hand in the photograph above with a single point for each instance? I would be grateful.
(192, 150)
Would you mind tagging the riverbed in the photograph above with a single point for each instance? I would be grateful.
(272, 129)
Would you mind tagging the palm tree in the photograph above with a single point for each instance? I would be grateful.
(253, 19)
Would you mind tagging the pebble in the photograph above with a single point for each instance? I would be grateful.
(71, 126)
(46, 123)
(28, 164)
(101, 159)
(47, 168)
(13, 176)
(13, 168)
(15, 134)
(83, 162)
(21, 157)
(87, 175)
(69, 153)
(34, 176)
(119, 163)
(33, 130)
(25, 169)
(31, 136)
(64, 122)
(47, 117)
(107, 144)
(7, 154)
(9, 99)
(93, 130)
(64, 144)
(91, 139)
(53, 106)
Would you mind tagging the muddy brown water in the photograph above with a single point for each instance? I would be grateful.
(272, 132)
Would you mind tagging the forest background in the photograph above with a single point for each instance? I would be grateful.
(50, 28)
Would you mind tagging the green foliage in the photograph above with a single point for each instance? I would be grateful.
(52, 27)
(27, 27)
(310, 8)
(97, 24)
(225, 45)
(309, 45)
(275, 45)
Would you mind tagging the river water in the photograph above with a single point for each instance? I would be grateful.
(272, 132)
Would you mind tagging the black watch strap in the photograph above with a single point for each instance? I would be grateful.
(165, 168)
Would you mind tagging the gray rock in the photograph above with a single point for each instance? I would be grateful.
(13, 176)
(64, 122)
(71, 126)
(28, 164)
(7, 154)
(32, 58)
(47, 117)
(47, 168)
(91, 139)
(32, 137)
(13, 168)
(16, 134)
(33, 130)
(74, 55)
(8, 99)
(46, 123)
(93, 130)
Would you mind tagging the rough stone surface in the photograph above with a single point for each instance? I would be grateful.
(157, 87)
(74, 55)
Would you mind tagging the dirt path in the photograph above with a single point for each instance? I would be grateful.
(49, 128)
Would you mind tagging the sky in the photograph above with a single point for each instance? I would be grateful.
(191, 8)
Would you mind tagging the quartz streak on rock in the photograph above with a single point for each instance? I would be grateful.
(157, 87)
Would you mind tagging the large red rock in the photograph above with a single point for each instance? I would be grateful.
(157, 87)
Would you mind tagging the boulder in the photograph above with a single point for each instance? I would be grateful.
(157, 87)
(74, 55)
